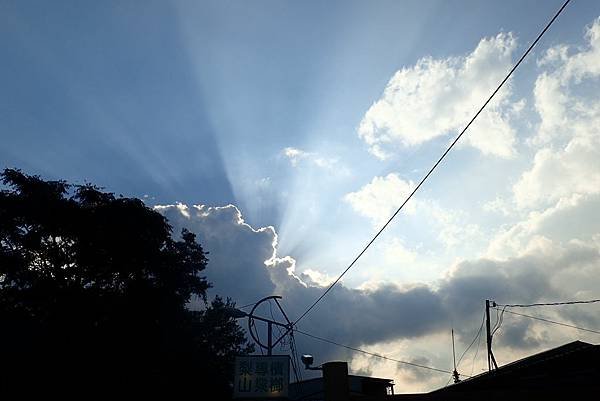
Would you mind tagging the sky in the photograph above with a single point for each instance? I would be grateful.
(284, 134)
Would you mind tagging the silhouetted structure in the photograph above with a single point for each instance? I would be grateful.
(360, 387)
(568, 372)
(571, 371)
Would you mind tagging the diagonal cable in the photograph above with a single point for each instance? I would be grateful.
(438, 161)
(591, 301)
(372, 353)
(472, 342)
(554, 322)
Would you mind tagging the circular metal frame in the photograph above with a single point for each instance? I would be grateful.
(252, 317)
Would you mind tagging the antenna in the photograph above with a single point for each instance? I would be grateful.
(455, 374)
(270, 322)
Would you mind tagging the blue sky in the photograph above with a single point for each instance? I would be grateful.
(281, 109)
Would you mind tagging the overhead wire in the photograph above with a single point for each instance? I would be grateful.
(372, 353)
(282, 344)
(248, 305)
(437, 162)
(294, 363)
(543, 319)
(294, 357)
(449, 379)
(295, 352)
(253, 325)
(591, 301)
(476, 352)
(498, 321)
(477, 335)
(472, 342)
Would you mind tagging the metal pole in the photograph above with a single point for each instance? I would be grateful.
(270, 343)
(489, 335)
(491, 358)
(453, 352)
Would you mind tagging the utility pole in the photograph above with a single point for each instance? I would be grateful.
(490, 354)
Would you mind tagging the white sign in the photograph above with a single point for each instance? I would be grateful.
(261, 376)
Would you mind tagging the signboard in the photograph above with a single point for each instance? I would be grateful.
(259, 376)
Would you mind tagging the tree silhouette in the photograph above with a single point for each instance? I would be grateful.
(93, 295)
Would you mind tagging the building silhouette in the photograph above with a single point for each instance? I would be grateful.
(359, 387)
(566, 373)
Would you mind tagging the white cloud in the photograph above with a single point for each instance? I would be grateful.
(556, 175)
(553, 55)
(437, 97)
(297, 156)
(316, 277)
(396, 252)
(554, 89)
(379, 199)
(294, 155)
(568, 162)
(570, 218)
(453, 226)
(585, 63)
(550, 103)
(497, 205)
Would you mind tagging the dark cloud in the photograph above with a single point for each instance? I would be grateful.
(516, 334)
(236, 251)
(244, 265)
(415, 372)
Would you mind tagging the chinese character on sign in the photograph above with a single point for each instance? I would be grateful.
(244, 378)
(277, 368)
(262, 385)
(245, 367)
(262, 368)
(244, 384)
(262, 376)
(276, 384)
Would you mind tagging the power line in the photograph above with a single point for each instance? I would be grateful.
(372, 353)
(472, 342)
(477, 336)
(438, 161)
(553, 322)
(295, 352)
(282, 343)
(499, 320)
(246, 306)
(591, 301)
(476, 352)
(294, 358)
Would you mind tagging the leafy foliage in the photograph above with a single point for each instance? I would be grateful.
(93, 294)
